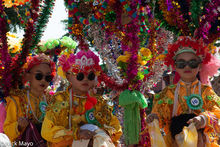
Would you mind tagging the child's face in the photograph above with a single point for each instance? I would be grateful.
(187, 73)
(39, 77)
(81, 82)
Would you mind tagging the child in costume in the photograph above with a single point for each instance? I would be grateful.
(29, 104)
(76, 115)
(189, 57)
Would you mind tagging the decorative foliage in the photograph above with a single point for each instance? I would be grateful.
(14, 3)
(5, 75)
(42, 21)
(56, 46)
(21, 58)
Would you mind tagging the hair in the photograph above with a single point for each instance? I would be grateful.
(178, 123)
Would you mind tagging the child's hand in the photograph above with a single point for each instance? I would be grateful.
(22, 123)
(198, 121)
(151, 117)
(86, 134)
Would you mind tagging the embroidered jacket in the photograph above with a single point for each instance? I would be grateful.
(163, 106)
(56, 125)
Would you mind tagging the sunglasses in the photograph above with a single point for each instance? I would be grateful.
(40, 76)
(191, 63)
(80, 76)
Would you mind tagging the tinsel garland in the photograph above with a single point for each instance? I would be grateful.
(145, 137)
(211, 15)
(195, 12)
(160, 16)
(42, 21)
(131, 33)
(184, 8)
(5, 76)
(174, 17)
(29, 31)
(111, 83)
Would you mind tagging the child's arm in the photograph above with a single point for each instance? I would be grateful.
(116, 132)
(212, 109)
(51, 132)
(55, 121)
(11, 121)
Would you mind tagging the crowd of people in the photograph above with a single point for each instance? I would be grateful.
(78, 117)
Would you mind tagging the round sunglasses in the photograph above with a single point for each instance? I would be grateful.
(40, 76)
(80, 76)
(181, 64)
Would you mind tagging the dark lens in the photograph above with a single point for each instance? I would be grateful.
(80, 76)
(180, 64)
(91, 76)
(194, 63)
(39, 76)
(48, 78)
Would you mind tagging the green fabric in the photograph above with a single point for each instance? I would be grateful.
(132, 101)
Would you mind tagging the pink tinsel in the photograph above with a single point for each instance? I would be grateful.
(209, 70)
(5, 57)
(3, 116)
(211, 15)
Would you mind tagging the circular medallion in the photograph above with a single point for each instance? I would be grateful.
(90, 117)
(43, 106)
(194, 101)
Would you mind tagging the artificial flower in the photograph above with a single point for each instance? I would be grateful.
(146, 52)
(161, 57)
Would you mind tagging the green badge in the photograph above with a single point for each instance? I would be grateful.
(91, 118)
(43, 105)
(194, 101)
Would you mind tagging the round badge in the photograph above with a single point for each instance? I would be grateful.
(91, 118)
(194, 101)
(43, 106)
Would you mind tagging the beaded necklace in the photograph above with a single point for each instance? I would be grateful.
(176, 97)
(89, 101)
(29, 105)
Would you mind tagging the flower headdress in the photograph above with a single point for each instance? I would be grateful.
(210, 64)
(39, 59)
(83, 61)
(187, 44)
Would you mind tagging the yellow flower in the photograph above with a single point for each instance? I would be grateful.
(140, 61)
(145, 52)
(25, 66)
(124, 58)
(160, 57)
(60, 72)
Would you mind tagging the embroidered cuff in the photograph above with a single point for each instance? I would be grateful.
(205, 120)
